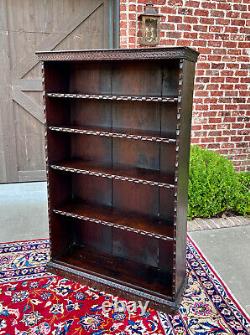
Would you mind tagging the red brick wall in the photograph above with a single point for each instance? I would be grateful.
(220, 31)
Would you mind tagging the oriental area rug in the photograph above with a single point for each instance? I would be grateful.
(33, 302)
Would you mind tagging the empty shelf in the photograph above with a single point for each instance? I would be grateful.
(134, 175)
(115, 133)
(141, 224)
(119, 269)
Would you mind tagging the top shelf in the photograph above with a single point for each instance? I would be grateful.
(112, 97)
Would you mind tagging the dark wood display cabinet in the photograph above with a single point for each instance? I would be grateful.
(118, 138)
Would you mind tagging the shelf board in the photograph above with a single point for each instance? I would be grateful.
(113, 97)
(117, 269)
(129, 174)
(108, 216)
(115, 133)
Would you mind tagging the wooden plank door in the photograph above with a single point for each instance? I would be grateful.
(27, 26)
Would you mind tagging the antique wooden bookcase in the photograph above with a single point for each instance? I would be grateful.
(118, 138)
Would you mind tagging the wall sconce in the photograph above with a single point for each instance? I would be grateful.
(150, 25)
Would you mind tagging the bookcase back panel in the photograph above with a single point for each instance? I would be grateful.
(139, 249)
(140, 255)
(92, 78)
(60, 189)
(94, 236)
(141, 199)
(57, 77)
(126, 78)
(58, 146)
(91, 113)
(167, 158)
(136, 79)
(170, 79)
(58, 112)
(61, 235)
(92, 189)
(91, 148)
(166, 204)
(168, 119)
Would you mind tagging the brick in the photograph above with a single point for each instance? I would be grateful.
(184, 27)
(238, 22)
(229, 119)
(203, 65)
(218, 65)
(215, 107)
(200, 43)
(224, 6)
(206, 20)
(233, 15)
(217, 80)
(243, 45)
(217, 13)
(215, 120)
(226, 87)
(190, 19)
(175, 2)
(208, 4)
(214, 58)
(222, 139)
(229, 44)
(174, 34)
(209, 126)
(200, 28)
(231, 29)
(215, 29)
(240, 7)
(213, 87)
(201, 12)
(190, 35)
(167, 10)
(222, 22)
(216, 44)
(195, 140)
(185, 11)
(207, 139)
(193, 4)
(175, 19)
(215, 133)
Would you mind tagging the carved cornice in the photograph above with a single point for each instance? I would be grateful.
(119, 54)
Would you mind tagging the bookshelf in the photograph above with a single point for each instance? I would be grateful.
(117, 143)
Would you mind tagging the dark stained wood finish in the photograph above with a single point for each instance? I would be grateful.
(118, 169)
(118, 172)
(118, 268)
(112, 217)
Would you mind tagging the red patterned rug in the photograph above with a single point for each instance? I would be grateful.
(33, 302)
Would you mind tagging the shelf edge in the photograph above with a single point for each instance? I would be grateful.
(114, 225)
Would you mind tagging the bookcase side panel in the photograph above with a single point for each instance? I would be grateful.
(183, 147)
(59, 187)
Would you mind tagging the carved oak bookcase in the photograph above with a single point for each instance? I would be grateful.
(117, 142)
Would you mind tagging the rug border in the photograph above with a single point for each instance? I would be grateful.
(22, 241)
(226, 288)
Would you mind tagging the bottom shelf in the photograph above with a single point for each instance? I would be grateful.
(145, 278)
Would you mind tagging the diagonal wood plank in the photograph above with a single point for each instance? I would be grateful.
(29, 104)
(53, 40)
(32, 85)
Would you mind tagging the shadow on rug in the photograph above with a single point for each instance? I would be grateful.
(35, 302)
